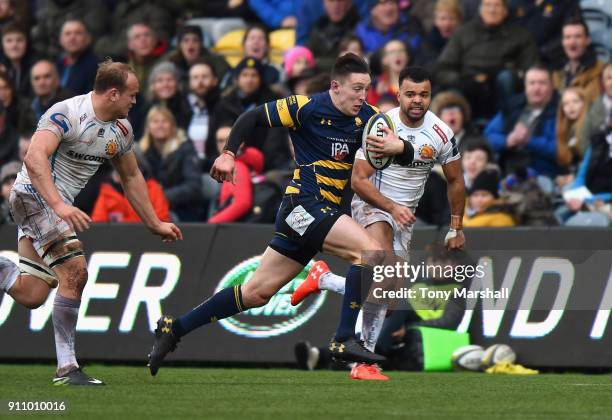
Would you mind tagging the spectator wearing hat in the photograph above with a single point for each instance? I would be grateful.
(455, 111)
(8, 174)
(163, 89)
(190, 48)
(483, 207)
(47, 91)
(297, 60)
(256, 44)
(17, 58)
(386, 23)
(203, 97)
(250, 90)
(78, 65)
(340, 18)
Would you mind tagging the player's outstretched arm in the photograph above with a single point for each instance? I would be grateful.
(223, 168)
(361, 184)
(136, 192)
(456, 197)
(44, 144)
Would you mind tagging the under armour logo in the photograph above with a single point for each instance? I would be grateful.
(213, 319)
(355, 305)
(165, 330)
(337, 346)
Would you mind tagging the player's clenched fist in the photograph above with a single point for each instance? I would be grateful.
(223, 169)
(76, 219)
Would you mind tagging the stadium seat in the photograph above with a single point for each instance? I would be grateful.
(230, 45)
(280, 41)
(597, 20)
(604, 6)
(216, 28)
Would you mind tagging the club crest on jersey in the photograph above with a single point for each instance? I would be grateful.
(339, 150)
(426, 152)
(111, 148)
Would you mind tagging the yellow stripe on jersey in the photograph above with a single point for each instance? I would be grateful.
(375, 109)
(296, 174)
(331, 164)
(331, 197)
(336, 183)
(283, 113)
(268, 114)
(301, 101)
(292, 190)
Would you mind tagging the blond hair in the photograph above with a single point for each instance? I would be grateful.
(452, 6)
(177, 135)
(565, 154)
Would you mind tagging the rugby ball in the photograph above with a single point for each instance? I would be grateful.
(375, 126)
(467, 358)
(498, 353)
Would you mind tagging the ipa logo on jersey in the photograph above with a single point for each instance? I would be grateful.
(111, 148)
(276, 318)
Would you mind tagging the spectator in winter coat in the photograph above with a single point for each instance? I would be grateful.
(174, 163)
(235, 200)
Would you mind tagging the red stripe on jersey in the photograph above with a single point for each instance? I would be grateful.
(124, 129)
(440, 133)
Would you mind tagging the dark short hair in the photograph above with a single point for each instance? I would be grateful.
(252, 27)
(576, 20)
(205, 62)
(415, 73)
(111, 75)
(14, 27)
(472, 145)
(347, 64)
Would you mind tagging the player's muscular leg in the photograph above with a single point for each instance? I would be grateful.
(349, 241)
(274, 271)
(29, 291)
(72, 276)
(383, 233)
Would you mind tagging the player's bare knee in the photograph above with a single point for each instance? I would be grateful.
(77, 279)
(256, 297)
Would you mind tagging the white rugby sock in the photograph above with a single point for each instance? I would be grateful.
(65, 315)
(373, 320)
(9, 272)
(333, 282)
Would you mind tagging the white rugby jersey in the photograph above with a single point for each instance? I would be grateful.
(85, 143)
(433, 142)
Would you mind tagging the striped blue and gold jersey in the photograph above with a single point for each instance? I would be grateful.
(324, 140)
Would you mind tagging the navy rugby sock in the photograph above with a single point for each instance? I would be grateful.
(223, 304)
(351, 303)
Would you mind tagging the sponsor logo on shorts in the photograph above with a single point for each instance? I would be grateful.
(276, 318)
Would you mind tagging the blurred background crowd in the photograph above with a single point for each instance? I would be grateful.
(526, 85)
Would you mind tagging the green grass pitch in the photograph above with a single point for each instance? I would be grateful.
(278, 394)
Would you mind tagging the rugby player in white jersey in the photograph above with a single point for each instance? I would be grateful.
(385, 200)
(74, 137)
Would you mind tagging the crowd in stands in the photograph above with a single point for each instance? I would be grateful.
(522, 84)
